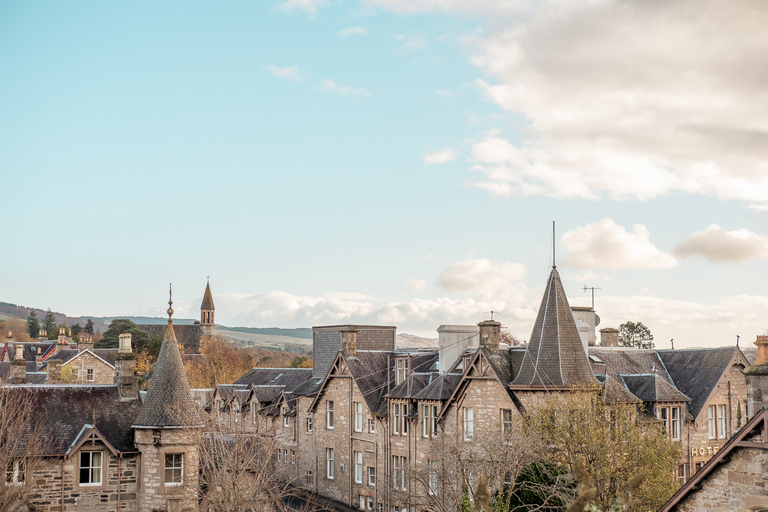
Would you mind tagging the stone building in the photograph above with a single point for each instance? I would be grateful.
(733, 480)
(99, 447)
(364, 426)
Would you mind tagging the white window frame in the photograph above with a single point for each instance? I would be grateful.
(369, 503)
(358, 467)
(285, 456)
(722, 428)
(426, 422)
(400, 372)
(432, 477)
(396, 419)
(329, 414)
(309, 424)
(372, 476)
(286, 421)
(90, 374)
(16, 472)
(94, 468)
(361, 505)
(329, 465)
(675, 423)
(358, 416)
(293, 456)
(399, 465)
(279, 455)
(711, 421)
(469, 423)
(174, 469)
(506, 424)
(371, 425)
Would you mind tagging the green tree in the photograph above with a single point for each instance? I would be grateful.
(635, 335)
(50, 325)
(75, 329)
(88, 326)
(614, 443)
(33, 325)
(139, 338)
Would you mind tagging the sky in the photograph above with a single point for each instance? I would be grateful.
(394, 162)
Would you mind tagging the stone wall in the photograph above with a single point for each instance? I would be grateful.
(156, 493)
(739, 485)
(103, 373)
(117, 492)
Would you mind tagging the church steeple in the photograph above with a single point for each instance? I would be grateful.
(207, 311)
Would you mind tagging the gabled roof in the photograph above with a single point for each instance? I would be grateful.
(169, 402)
(628, 361)
(483, 365)
(63, 410)
(649, 387)
(616, 391)
(555, 357)
(696, 371)
(441, 387)
(69, 355)
(411, 386)
(207, 298)
(754, 435)
(289, 378)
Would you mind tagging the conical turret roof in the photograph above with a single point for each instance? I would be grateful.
(169, 402)
(555, 356)
(207, 298)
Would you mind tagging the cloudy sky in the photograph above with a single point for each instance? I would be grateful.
(389, 161)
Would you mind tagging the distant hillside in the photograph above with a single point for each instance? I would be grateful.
(300, 332)
(410, 341)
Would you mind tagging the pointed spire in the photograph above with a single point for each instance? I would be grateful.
(170, 334)
(169, 402)
(555, 357)
(207, 298)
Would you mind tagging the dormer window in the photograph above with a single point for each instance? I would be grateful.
(401, 369)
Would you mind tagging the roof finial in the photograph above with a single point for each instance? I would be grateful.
(553, 245)
(737, 340)
(170, 302)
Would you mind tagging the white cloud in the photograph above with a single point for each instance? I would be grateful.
(344, 90)
(605, 245)
(415, 285)
(308, 6)
(353, 31)
(717, 244)
(622, 99)
(480, 275)
(440, 157)
(289, 72)
(444, 94)
(411, 42)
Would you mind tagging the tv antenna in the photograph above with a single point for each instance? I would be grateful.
(593, 293)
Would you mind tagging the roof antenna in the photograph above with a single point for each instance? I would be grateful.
(737, 341)
(553, 245)
(672, 341)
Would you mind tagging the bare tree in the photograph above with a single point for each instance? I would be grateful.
(238, 469)
(453, 468)
(21, 444)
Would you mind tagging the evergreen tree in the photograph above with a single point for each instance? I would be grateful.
(75, 329)
(33, 325)
(50, 325)
(88, 326)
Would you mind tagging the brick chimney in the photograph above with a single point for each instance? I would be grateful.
(609, 337)
(490, 334)
(86, 342)
(349, 341)
(762, 350)
(42, 335)
(54, 371)
(125, 369)
(18, 366)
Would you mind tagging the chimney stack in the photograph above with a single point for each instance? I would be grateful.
(490, 334)
(38, 359)
(18, 366)
(349, 341)
(125, 369)
(762, 350)
(54, 371)
(609, 337)
(86, 342)
(42, 335)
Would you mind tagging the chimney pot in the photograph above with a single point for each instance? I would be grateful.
(349, 341)
(609, 337)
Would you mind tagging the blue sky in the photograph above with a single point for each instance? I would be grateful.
(388, 161)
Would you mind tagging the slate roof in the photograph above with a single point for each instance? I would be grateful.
(440, 388)
(555, 356)
(30, 349)
(289, 378)
(506, 364)
(63, 410)
(411, 386)
(649, 387)
(371, 371)
(615, 391)
(696, 371)
(169, 402)
(207, 298)
(628, 361)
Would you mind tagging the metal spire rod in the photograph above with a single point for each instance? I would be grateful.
(554, 265)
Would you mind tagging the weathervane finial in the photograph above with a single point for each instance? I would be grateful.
(553, 245)
(170, 301)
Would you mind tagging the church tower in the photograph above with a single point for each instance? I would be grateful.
(207, 311)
